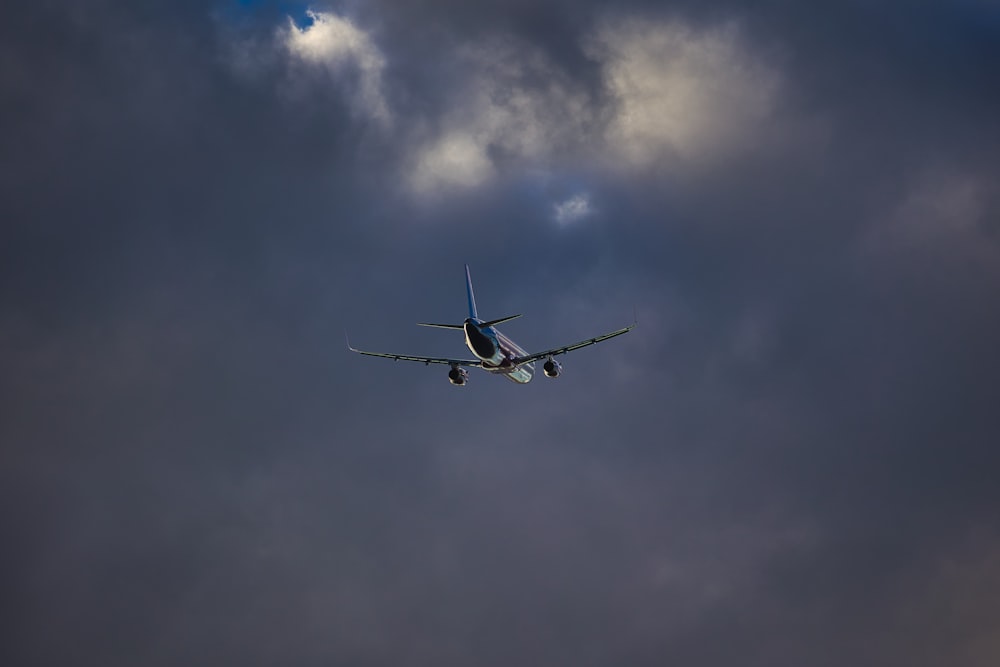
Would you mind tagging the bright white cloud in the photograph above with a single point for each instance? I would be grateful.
(575, 208)
(458, 159)
(679, 91)
(337, 45)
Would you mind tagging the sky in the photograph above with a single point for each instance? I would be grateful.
(792, 460)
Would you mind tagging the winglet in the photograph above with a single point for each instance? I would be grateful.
(470, 293)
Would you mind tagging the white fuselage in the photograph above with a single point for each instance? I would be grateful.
(496, 351)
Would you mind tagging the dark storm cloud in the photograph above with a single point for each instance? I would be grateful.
(790, 460)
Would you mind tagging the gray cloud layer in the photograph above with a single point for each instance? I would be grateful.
(791, 461)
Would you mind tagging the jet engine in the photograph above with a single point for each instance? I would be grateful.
(458, 376)
(551, 368)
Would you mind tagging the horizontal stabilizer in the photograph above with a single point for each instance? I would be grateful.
(441, 326)
(500, 321)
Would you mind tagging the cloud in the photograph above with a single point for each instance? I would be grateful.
(337, 45)
(457, 159)
(681, 91)
(513, 109)
(575, 208)
(944, 213)
(667, 92)
(677, 94)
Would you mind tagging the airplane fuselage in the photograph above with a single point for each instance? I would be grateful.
(496, 351)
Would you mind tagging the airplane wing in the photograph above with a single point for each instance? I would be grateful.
(424, 360)
(569, 348)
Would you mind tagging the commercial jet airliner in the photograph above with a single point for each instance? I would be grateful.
(495, 353)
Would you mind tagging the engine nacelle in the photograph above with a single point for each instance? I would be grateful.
(458, 376)
(551, 368)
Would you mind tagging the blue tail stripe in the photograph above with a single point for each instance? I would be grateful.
(472, 295)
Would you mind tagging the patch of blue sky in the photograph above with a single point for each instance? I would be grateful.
(294, 8)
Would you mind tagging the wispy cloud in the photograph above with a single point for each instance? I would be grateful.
(944, 212)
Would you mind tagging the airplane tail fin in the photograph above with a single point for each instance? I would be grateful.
(471, 294)
(472, 309)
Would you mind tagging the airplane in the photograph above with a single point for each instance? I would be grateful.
(495, 352)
